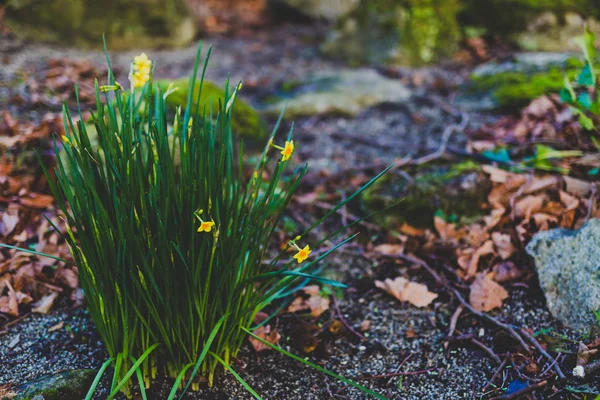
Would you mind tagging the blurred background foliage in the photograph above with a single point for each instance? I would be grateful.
(399, 32)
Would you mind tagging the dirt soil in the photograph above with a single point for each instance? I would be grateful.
(404, 356)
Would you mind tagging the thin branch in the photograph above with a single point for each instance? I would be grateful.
(445, 139)
(519, 393)
(496, 373)
(453, 322)
(460, 298)
(539, 348)
(346, 324)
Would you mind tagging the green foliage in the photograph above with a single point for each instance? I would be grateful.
(584, 95)
(450, 189)
(512, 90)
(246, 122)
(544, 155)
(163, 295)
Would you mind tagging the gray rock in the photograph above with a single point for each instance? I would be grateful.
(327, 9)
(568, 266)
(343, 92)
(62, 385)
(548, 32)
(526, 63)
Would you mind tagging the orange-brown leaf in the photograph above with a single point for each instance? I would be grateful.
(401, 288)
(485, 293)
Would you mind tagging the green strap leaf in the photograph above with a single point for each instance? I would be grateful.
(315, 366)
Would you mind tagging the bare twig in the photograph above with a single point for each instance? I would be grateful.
(460, 298)
(400, 366)
(519, 393)
(489, 351)
(346, 324)
(445, 139)
(551, 365)
(470, 338)
(453, 322)
(539, 348)
(496, 373)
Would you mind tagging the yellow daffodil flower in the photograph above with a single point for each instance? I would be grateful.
(288, 150)
(302, 254)
(66, 139)
(205, 226)
(142, 64)
(140, 70)
(139, 79)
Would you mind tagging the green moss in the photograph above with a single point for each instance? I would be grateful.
(457, 189)
(127, 24)
(247, 122)
(62, 385)
(410, 32)
(513, 90)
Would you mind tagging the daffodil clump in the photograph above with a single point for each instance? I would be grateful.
(171, 255)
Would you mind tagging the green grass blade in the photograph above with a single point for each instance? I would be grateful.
(131, 371)
(315, 366)
(203, 354)
(237, 376)
(37, 253)
(94, 385)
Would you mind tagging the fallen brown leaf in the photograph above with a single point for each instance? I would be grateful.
(264, 332)
(401, 288)
(56, 327)
(485, 293)
(529, 205)
(9, 304)
(37, 200)
(45, 303)
(315, 303)
(389, 249)
(446, 230)
(10, 219)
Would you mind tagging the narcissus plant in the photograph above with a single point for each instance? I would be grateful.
(171, 255)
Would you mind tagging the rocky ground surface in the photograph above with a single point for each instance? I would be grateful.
(404, 356)
(401, 339)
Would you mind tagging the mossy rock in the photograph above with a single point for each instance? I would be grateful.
(247, 122)
(513, 90)
(60, 386)
(407, 32)
(457, 190)
(126, 23)
(505, 18)
(511, 85)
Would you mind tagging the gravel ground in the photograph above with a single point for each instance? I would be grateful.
(397, 332)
